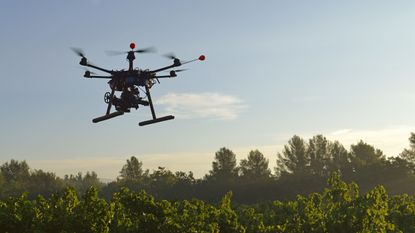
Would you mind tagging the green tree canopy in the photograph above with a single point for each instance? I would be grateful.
(293, 158)
(255, 166)
(319, 153)
(363, 154)
(224, 166)
(83, 182)
(132, 170)
(340, 159)
(409, 154)
(15, 170)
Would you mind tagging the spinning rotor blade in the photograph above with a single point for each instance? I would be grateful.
(145, 50)
(79, 52)
(170, 56)
(180, 70)
(176, 61)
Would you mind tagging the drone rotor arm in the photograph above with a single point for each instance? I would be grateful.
(190, 61)
(200, 58)
(99, 68)
(99, 77)
(165, 68)
(164, 76)
(177, 62)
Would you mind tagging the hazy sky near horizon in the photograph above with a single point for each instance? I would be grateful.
(273, 69)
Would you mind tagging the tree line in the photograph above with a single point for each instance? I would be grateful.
(303, 167)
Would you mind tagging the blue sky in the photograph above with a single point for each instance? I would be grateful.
(273, 69)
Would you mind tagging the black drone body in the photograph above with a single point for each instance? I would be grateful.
(128, 82)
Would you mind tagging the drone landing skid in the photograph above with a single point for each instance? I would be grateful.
(107, 116)
(156, 120)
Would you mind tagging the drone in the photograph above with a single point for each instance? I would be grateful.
(129, 83)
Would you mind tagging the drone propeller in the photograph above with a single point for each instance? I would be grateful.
(170, 56)
(176, 60)
(79, 52)
(179, 70)
(145, 50)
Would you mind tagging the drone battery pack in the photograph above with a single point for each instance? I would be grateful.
(108, 116)
(166, 118)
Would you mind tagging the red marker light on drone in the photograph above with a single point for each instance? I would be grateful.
(132, 46)
(202, 57)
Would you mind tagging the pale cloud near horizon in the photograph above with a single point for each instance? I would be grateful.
(391, 140)
(202, 105)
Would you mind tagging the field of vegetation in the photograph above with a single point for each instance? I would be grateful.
(339, 208)
(317, 186)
